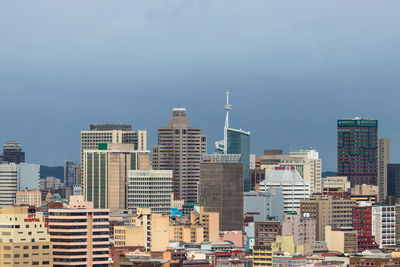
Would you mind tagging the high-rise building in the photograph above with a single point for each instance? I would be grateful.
(150, 188)
(8, 184)
(180, 149)
(12, 152)
(383, 161)
(294, 188)
(79, 234)
(301, 227)
(236, 141)
(105, 174)
(24, 238)
(393, 182)
(72, 173)
(384, 225)
(112, 134)
(357, 145)
(265, 233)
(221, 190)
(28, 176)
(328, 211)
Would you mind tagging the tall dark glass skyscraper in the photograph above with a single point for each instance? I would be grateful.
(393, 182)
(12, 152)
(357, 143)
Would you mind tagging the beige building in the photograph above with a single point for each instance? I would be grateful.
(307, 163)
(343, 239)
(364, 190)
(180, 149)
(328, 211)
(24, 240)
(29, 197)
(339, 183)
(146, 229)
(79, 234)
(150, 188)
(112, 134)
(287, 244)
(106, 174)
(383, 158)
(8, 184)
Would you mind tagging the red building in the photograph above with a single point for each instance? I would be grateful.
(362, 223)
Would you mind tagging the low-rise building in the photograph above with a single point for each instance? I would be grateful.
(29, 197)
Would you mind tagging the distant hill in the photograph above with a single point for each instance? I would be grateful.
(56, 171)
(328, 173)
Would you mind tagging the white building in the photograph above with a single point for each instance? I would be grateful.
(150, 188)
(294, 188)
(8, 184)
(384, 225)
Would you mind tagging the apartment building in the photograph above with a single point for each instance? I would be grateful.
(79, 234)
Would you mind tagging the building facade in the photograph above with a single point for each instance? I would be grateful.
(29, 197)
(24, 240)
(8, 184)
(393, 182)
(301, 227)
(105, 174)
(72, 173)
(342, 239)
(383, 161)
(357, 145)
(150, 188)
(294, 188)
(384, 225)
(362, 223)
(221, 190)
(12, 153)
(79, 234)
(265, 233)
(180, 149)
(328, 210)
(264, 205)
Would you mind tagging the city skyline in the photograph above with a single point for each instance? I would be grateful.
(291, 68)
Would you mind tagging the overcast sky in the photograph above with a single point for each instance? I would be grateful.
(293, 68)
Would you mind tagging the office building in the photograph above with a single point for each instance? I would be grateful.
(72, 173)
(362, 223)
(79, 234)
(357, 145)
(393, 182)
(236, 141)
(29, 197)
(256, 176)
(294, 188)
(105, 174)
(384, 225)
(335, 184)
(301, 227)
(342, 239)
(264, 205)
(382, 161)
(28, 176)
(112, 134)
(265, 233)
(262, 256)
(328, 210)
(12, 152)
(364, 190)
(221, 190)
(24, 240)
(8, 184)
(150, 188)
(180, 148)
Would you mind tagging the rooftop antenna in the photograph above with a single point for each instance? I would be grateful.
(227, 107)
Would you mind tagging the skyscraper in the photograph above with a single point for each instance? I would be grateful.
(393, 182)
(112, 134)
(180, 148)
(236, 141)
(221, 190)
(8, 184)
(383, 161)
(12, 152)
(105, 174)
(357, 145)
(72, 172)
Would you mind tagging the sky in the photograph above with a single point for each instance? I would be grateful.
(293, 68)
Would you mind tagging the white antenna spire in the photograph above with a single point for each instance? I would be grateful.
(227, 107)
